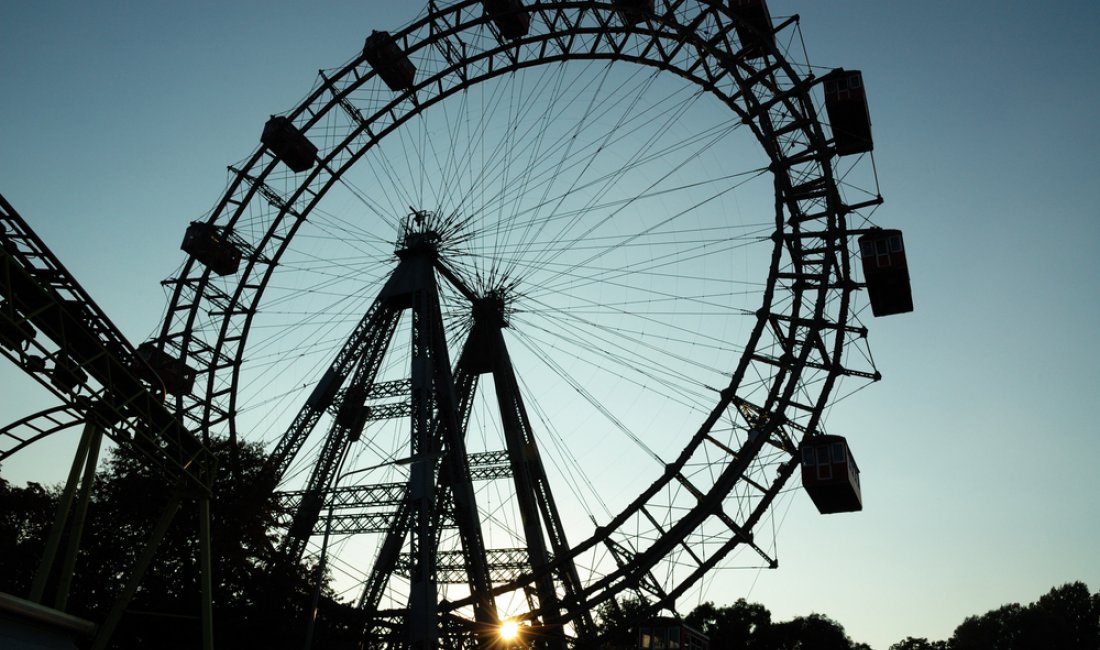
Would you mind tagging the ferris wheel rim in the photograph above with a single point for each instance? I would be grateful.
(786, 195)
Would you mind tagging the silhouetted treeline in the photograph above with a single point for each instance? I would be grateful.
(1066, 618)
(258, 603)
(740, 626)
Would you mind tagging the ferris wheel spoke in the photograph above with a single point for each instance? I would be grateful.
(690, 335)
(588, 397)
(626, 366)
(613, 181)
(572, 278)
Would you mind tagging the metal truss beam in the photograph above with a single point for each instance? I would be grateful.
(346, 426)
(505, 564)
(38, 295)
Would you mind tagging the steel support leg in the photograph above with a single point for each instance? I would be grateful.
(423, 617)
(536, 499)
(206, 586)
(109, 625)
(49, 553)
(76, 529)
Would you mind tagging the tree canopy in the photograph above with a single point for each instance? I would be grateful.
(1066, 618)
(257, 602)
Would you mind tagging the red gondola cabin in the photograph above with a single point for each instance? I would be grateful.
(162, 370)
(882, 253)
(846, 105)
(667, 633)
(288, 144)
(510, 17)
(207, 244)
(388, 61)
(754, 27)
(830, 475)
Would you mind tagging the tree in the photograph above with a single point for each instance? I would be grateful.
(258, 602)
(813, 632)
(1075, 613)
(990, 631)
(918, 643)
(616, 622)
(734, 626)
(1066, 618)
(749, 626)
(25, 517)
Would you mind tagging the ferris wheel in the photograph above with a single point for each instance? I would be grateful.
(534, 305)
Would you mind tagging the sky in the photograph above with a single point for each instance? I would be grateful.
(978, 446)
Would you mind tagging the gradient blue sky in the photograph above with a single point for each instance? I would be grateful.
(978, 448)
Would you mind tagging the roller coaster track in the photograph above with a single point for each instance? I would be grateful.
(54, 331)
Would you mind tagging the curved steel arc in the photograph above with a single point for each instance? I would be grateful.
(39, 295)
(676, 34)
(616, 581)
(38, 426)
(755, 337)
(771, 99)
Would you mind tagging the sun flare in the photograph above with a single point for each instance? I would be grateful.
(509, 630)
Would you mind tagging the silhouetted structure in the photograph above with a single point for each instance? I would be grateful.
(846, 105)
(387, 59)
(288, 144)
(830, 475)
(668, 633)
(754, 28)
(633, 11)
(510, 17)
(882, 253)
(162, 370)
(209, 245)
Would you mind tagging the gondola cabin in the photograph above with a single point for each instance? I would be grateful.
(71, 323)
(511, 18)
(388, 61)
(846, 106)
(66, 375)
(754, 27)
(289, 144)
(15, 333)
(633, 12)
(667, 633)
(830, 475)
(882, 253)
(162, 370)
(208, 244)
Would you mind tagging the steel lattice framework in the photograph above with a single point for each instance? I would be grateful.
(79, 343)
(52, 329)
(702, 503)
